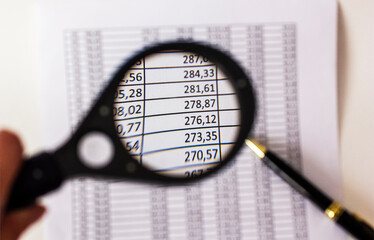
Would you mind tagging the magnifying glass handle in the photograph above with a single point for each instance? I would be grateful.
(38, 175)
(350, 222)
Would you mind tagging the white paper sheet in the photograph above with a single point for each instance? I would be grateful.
(289, 49)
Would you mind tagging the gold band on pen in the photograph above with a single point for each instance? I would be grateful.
(259, 149)
(334, 211)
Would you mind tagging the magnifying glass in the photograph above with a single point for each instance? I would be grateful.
(173, 113)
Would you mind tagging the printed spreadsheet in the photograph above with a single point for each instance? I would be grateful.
(238, 203)
(289, 57)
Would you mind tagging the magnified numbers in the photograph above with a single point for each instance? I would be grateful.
(200, 156)
(127, 128)
(203, 125)
(169, 114)
(128, 93)
(128, 109)
(201, 81)
(200, 119)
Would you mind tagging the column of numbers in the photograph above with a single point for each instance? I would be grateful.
(182, 91)
(128, 109)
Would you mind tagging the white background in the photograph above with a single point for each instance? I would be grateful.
(20, 92)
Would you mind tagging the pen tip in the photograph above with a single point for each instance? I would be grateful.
(257, 148)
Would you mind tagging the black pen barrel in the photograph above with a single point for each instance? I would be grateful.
(352, 224)
(358, 228)
(296, 180)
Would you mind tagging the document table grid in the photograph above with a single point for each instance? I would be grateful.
(245, 201)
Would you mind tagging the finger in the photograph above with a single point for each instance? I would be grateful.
(10, 161)
(16, 222)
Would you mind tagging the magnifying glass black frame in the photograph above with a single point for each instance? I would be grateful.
(47, 171)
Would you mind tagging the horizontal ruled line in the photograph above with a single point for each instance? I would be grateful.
(177, 113)
(190, 165)
(189, 146)
(171, 82)
(167, 98)
(171, 67)
(179, 129)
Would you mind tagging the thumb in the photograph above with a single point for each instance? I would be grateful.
(16, 222)
(10, 162)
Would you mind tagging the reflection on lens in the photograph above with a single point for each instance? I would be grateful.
(176, 113)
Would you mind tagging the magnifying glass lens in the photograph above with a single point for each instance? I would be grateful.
(177, 113)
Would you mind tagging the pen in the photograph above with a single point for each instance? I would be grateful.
(349, 221)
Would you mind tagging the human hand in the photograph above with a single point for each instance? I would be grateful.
(14, 223)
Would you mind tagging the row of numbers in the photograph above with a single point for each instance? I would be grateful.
(163, 75)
